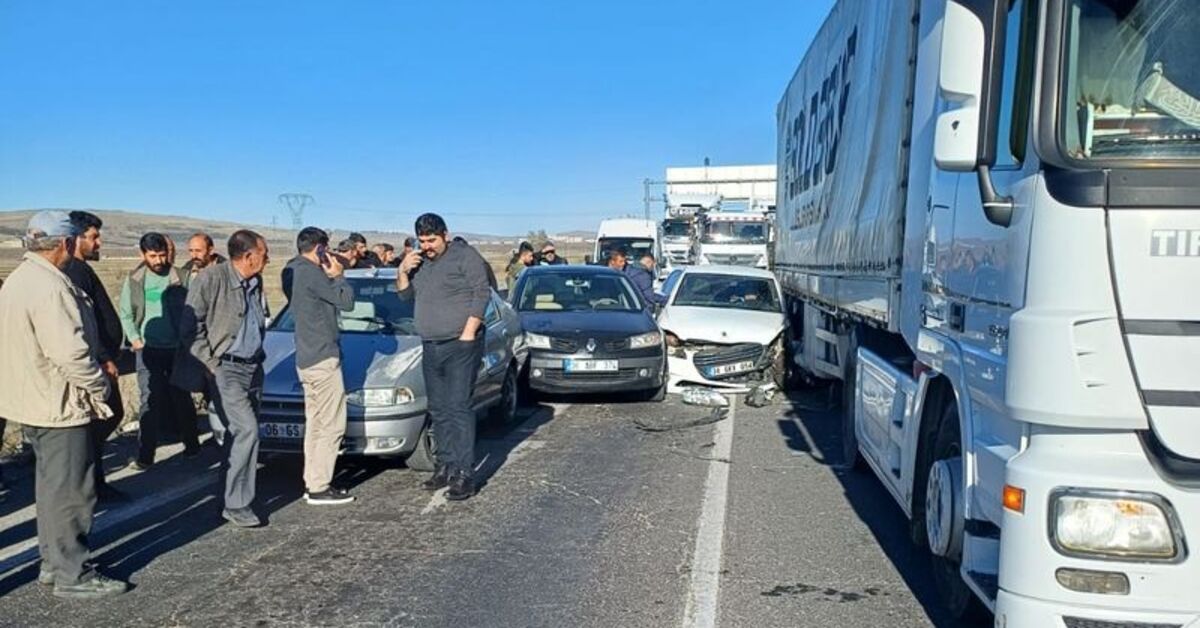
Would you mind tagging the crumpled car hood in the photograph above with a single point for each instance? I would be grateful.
(368, 361)
(721, 325)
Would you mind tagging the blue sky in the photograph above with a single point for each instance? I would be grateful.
(503, 116)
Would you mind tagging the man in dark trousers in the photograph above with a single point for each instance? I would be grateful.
(316, 291)
(449, 282)
(223, 327)
(150, 308)
(52, 384)
(87, 249)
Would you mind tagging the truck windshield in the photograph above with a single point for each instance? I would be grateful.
(735, 232)
(1132, 80)
(677, 229)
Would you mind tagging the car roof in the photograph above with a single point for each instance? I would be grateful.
(569, 268)
(370, 273)
(726, 269)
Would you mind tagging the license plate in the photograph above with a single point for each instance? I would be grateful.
(729, 369)
(284, 431)
(590, 366)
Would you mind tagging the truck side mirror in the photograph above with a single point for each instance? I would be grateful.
(960, 81)
(969, 77)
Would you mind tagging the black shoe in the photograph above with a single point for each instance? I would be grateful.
(98, 587)
(241, 517)
(329, 496)
(439, 480)
(462, 486)
(191, 452)
(108, 494)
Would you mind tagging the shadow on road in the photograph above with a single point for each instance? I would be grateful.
(812, 425)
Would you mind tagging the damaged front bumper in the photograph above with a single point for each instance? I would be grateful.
(736, 369)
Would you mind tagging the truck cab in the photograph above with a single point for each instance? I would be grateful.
(732, 238)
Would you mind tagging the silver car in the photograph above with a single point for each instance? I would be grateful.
(381, 364)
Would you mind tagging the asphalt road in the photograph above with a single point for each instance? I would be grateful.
(587, 519)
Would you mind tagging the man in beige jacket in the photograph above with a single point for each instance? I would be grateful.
(51, 383)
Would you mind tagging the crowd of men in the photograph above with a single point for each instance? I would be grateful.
(198, 330)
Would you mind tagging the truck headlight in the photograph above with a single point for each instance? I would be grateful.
(643, 341)
(537, 341)
(1114, 525)
(379, 397)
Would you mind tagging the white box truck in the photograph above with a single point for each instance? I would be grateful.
(635, 235)
(989, 230)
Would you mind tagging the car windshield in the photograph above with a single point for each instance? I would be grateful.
(378, 309)
(727, 292)
(576, 292)
(735, 232)
(677, 228)
(1132, 79)
(634, 247)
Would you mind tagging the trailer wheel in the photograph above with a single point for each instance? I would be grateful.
(944, 520)
(851, 457)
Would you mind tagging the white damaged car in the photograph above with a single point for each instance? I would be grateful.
(725, 327)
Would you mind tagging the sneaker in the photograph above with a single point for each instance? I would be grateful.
(329, 496)
(439, 480)
(139, 465)
(98, 587)
(45, 577)
(106, 494)
(462, 486)
(241, 517)
(191, 452)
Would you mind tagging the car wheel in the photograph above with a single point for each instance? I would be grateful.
(421, 458)
(779, 365)
(505, 411)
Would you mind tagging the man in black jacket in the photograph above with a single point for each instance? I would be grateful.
(449, 283)
(316, 291)
(79, 271)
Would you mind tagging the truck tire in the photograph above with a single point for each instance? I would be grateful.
(421, 458)
(780, 371)
(851, 458)
(942, 510)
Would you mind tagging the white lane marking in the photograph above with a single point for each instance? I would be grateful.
(19, 555)
(705, 587)
(526, 445)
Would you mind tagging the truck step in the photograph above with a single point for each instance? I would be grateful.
(986, 583)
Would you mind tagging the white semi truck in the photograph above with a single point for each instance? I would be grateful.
(737, 238)
(679, 224)
(989, 231)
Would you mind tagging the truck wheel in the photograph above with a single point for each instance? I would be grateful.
(944, 519)
(851, 458)
(421, 458)
(780, 373)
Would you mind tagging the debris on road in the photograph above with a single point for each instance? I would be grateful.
(667, 424)
(762, 396)
(699, 396)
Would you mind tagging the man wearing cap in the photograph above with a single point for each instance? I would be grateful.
(51, 382)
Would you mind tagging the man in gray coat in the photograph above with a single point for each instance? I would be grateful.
(223, 325)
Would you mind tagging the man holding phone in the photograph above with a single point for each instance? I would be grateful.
(316, 291)
(449, 282)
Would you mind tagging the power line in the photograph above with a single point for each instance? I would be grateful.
(296, 202)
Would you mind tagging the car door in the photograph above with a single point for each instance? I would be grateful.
(495, 353)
